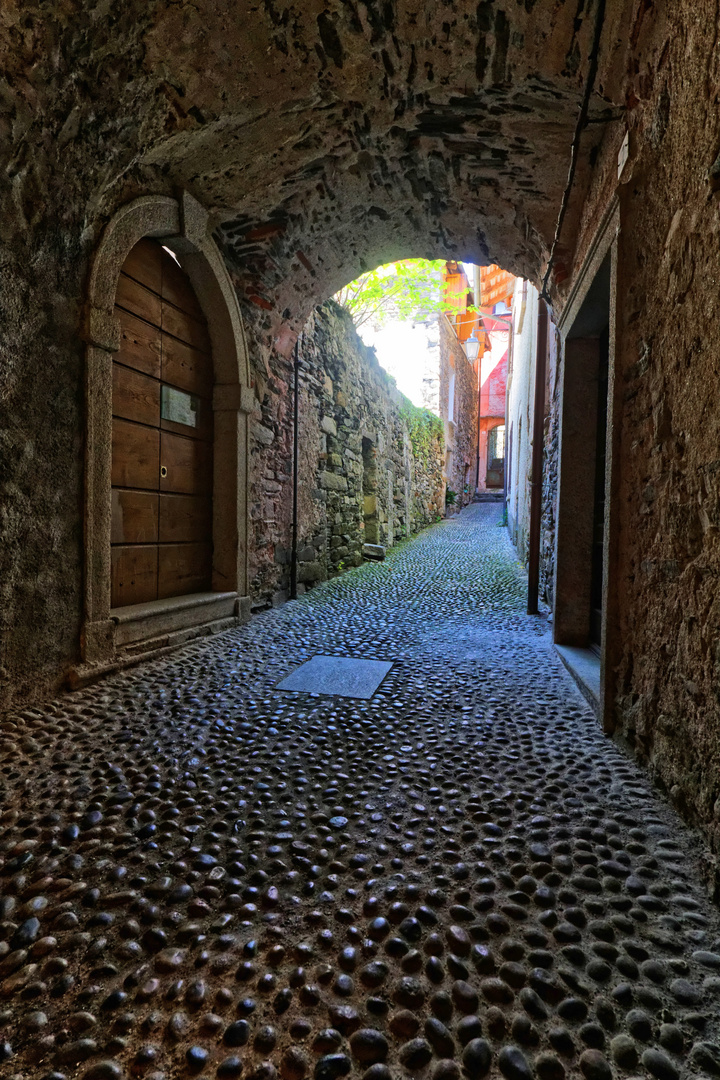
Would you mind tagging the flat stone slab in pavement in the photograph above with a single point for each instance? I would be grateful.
(343, 676)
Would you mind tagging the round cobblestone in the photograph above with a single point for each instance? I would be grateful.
(204, 876)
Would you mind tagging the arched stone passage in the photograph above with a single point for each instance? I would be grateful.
(364, 132)
(182, 228)
(326, 138)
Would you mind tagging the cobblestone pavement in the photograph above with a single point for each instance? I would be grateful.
(203, 876)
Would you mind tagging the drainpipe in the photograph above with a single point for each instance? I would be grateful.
(537, 460)
(296, 398)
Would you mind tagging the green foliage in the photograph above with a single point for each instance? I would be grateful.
(408, 289)
(450, 497)
(425, 430)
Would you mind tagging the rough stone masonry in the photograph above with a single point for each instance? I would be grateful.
(370, 464)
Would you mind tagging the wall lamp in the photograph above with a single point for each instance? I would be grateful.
(472, 347)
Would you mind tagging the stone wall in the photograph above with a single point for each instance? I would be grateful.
(550, 468)
(458, 378)
(520, 421)
(521, 382)
(370, 464)
(665, 629)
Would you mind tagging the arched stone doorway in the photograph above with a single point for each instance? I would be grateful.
(165, 555)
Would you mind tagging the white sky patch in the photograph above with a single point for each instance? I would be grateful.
(410, 353)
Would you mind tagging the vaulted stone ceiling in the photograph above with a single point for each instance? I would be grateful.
(325, 137)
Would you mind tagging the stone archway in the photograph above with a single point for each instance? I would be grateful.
(112, 638)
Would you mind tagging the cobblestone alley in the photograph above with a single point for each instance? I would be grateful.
(201, 875)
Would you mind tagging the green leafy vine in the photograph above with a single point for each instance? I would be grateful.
(425, 431)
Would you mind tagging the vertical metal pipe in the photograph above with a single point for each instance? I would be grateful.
(537, 460)
(296, 399)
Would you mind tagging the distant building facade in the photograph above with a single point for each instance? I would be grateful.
(475, 336)
(494, 289)
(459, 387)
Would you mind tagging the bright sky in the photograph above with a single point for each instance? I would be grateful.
(410, 353)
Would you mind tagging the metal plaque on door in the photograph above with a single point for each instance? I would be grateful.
(178, 407)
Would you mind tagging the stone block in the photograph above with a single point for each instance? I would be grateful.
(311, 571)
(328, 425)
(262, 434)
(376, 552)
(306, 554)
(243, 608)
(370, 504)
(333, 481)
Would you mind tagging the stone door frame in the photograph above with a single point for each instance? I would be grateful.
(579, 358)
(112, 638)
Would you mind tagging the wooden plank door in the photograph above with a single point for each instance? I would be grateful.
(162, 438)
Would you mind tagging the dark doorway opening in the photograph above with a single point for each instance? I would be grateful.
(370, 507)
(581, 535)
(598, 542)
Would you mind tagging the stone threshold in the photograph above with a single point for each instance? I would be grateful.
(584, 666)
(152, 649)
(138, 622)
(148, 631)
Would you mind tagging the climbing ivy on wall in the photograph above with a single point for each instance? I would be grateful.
(424, 429)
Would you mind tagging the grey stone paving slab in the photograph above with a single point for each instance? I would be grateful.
(342, 676)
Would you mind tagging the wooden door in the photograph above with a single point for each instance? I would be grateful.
(162, 437)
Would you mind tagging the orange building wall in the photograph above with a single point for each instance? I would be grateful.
(496, 285)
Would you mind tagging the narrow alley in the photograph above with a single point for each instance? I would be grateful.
(201, 874)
